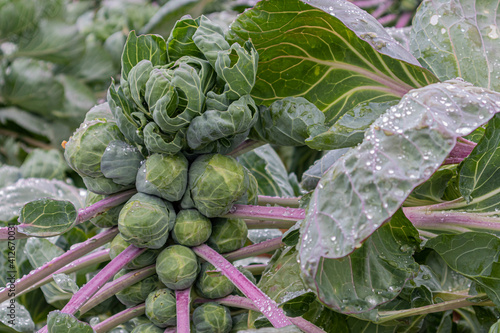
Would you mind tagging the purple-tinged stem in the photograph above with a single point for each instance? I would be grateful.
(424, 218)
(89, 260)
(254, 269)
(111, 288)
(367, 3)
(245, 303)
(255, 249)
(183, 301)
(387, 18)
(259, 224)
(382, 8)
(404, 20)
(89, 289)
(266, 213)
(61, 261)
(246, 146)
(103, 205)
(120, 318)
(268, 307)
(11, 233)
(462, 149)
(286, 201)
(170, 330)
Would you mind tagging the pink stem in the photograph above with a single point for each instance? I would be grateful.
(183, 303)
(266, 213)
(255, 249)
(382, 8)
(267, 306)
(367, 3)
(387, 18)
(103, 205)
(404, 20)
(120, 318)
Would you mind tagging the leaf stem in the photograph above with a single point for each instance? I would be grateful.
(268, 307)
(254, 249)
(266, 213)
(103, 205)
(61, 261)
(462, 149)
(120, 318)
(111, 288)
(246, 146)
(183, 301)
(11, 232)
(84, 262)
(286, 202)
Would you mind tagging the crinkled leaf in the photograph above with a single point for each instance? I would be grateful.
(30, 85)
(40, 163)
(137, 48)
(209, 38)
(40, 251)
(474, 255)
(180, 42)
(371, 275)
(215, 125)
(295, 42)
(311, 177)
(401, 150)
(350, 129)
(120, 162)
(157, 86)
(53, 41)
(267, 167)
(47, 217)
(458, 39)
(16, 316)
(15, 196)
(137, 78)
(287, 122)
(58, 322)
(158, 142)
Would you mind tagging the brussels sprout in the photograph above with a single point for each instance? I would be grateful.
(103, 185)
(213, 285)
(118, 244)
(138, 292)
(191, 228)
(99, 112)
(106, 219)
(240, 322)
(84, 149)
(212, 318)
(161, 308)
(147, 328)
(164, 176)
(227, 234)
(251, 197)
(120, 162)
(146, 220)
(177, 267)
(215, 183)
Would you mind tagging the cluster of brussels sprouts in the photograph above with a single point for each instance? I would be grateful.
(164, 132)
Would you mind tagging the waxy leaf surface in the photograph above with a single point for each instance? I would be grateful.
(47, 217)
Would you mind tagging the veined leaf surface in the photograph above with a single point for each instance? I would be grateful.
(330, 52)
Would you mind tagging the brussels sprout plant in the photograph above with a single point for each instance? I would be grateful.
(304, 169)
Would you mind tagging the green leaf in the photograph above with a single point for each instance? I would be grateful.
(220, 127)
(40, 251)
(311, 177)
(149, 47)
(295, 42)
(16, 316)
(79, 98)
(474, 255)
(40, 163)
(287, 122)
(53, 41)
(120, 162)
(401, 150)
(495, 328)
(16, 16)
(271, 175)
(458, 39)
(47, 217)
(58, 322)
(432, 191)
(15, 196)
(180, 42)
(66, 283)
(136, 82)
(9, 175)
(30, 85)
(209, 38)
(158, 142)
(371, 275)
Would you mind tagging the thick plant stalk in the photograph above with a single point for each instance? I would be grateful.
(246, 146)
(255, 249)
(57, 263)
(268, 307)
(462, 149)
(282, 201)
(111, 288)
(120, 318)
(103, 205)
(89, 260)
(266, 213)
(183, 301)
(84, 294)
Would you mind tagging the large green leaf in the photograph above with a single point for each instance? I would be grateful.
(312, 176)
(40, 163)
(16, 316)
(459, 39)
(332, 53)
(15, 196)
(58, 322)
(401, 150)
(474, 255)
(16, 16)
(271, 175)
